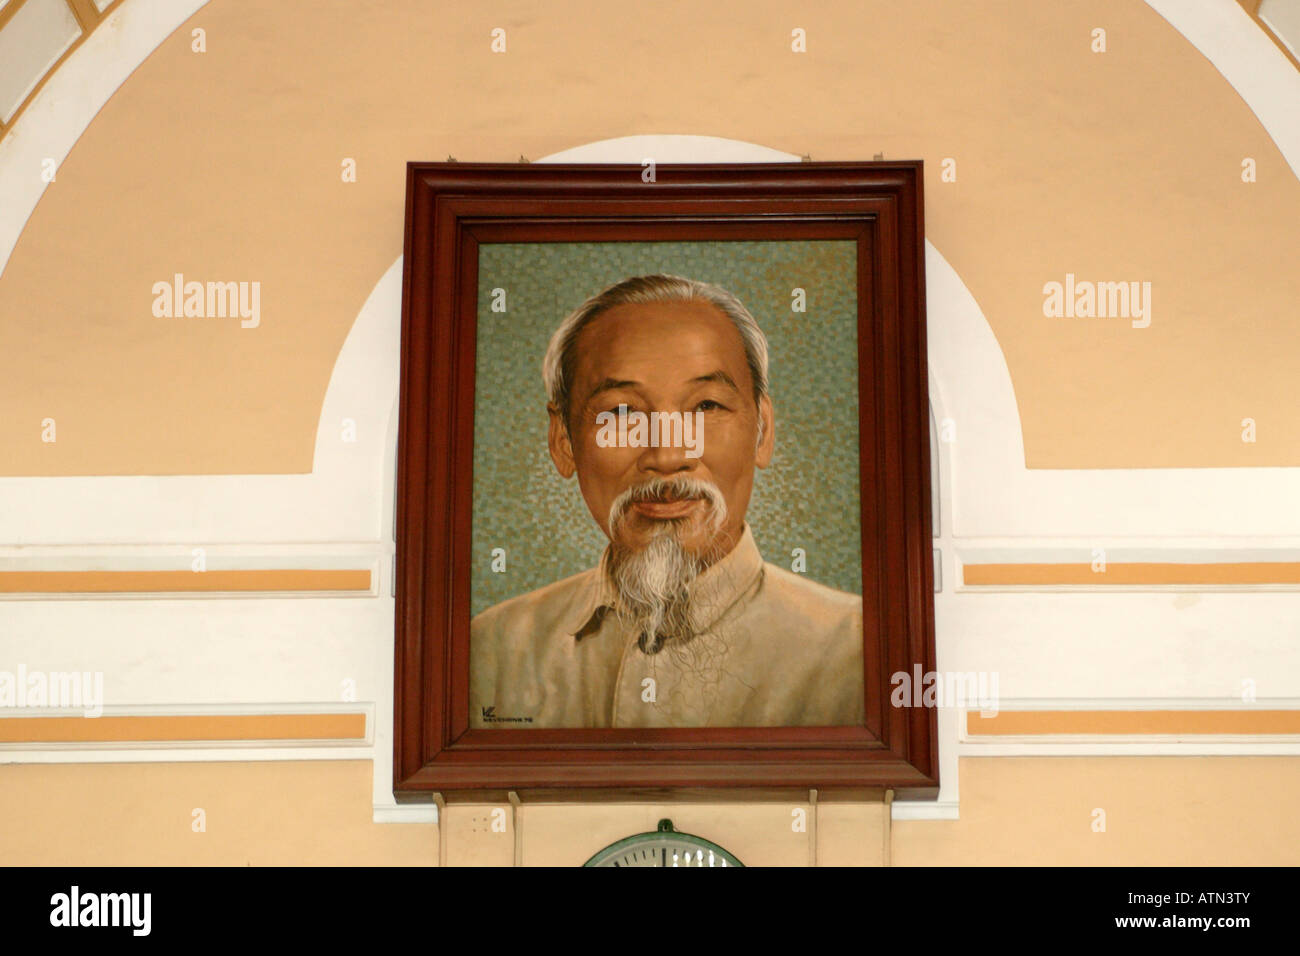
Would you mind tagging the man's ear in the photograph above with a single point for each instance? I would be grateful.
(557, 438)
(767, 418)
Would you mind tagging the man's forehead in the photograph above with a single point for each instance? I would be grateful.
(665, 339)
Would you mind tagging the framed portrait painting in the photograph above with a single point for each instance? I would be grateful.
(663, 480)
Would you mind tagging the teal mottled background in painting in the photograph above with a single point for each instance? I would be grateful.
(807, 498)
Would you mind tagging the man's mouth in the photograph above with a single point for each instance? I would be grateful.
(661, 509)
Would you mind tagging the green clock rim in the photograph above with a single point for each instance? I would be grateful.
(638, 838)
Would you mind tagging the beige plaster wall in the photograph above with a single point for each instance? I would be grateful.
(1159, 811)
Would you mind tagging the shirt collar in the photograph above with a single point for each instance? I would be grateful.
(714, 592)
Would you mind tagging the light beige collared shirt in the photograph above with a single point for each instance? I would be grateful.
(772, 649)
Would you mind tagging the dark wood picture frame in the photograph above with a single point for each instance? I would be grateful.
(451, 208)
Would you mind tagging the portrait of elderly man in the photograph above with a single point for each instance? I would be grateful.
(681, 623)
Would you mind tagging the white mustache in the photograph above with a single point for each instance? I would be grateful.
(676, 488)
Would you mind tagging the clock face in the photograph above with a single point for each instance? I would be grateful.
(666, 847)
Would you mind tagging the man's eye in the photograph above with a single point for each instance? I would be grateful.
(708, 405)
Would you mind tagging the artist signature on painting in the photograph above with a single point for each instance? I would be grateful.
(490, 716)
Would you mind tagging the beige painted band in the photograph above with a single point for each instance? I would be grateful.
(122, 582)
(1245, 572)
(1013, 723)
(183, 727)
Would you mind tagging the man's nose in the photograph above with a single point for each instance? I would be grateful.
(667, 459)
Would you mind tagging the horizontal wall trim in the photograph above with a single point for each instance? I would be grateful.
(411, 813)
(183, 727)
(1175, 723)
(184, 752)
(185, 581)
(925, 810)
(1127, 574)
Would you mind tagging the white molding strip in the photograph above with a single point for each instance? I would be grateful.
(407, 813)
(925, 810)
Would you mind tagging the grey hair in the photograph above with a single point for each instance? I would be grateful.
(557, 366)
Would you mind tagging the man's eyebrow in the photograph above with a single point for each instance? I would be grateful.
(611, 384)
(721, 377)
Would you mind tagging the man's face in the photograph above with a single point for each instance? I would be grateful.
(671, 357)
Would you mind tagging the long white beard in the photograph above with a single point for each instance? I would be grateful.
(652, 586)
